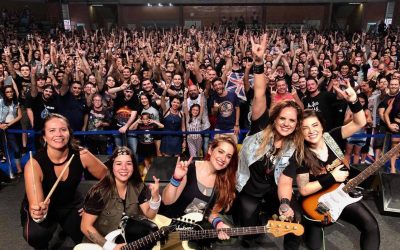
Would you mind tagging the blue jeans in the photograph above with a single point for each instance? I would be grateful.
(131, 142)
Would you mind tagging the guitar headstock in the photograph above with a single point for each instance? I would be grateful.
(183, 224)
(280, 228)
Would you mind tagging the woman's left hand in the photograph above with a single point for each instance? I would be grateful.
(3, 126)
(221, 234)
(286, 210)
(154, 188)
(348, 94)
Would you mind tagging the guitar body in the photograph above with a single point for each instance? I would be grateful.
(327, 205)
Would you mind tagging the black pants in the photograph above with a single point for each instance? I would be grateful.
(38, 235)
(356, 214)
(248, 209)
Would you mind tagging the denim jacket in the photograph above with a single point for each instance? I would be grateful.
(248, 155)
(4, 108)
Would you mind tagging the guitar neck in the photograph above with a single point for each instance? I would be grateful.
(145, 241)
(212, 233)
(370, 170)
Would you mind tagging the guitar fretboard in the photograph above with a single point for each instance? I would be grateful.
(212, 233)
(148, 239)
(371, 169)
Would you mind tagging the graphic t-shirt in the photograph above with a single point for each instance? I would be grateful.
(226, 116)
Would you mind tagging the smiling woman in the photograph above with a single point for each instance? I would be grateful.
(40, 218)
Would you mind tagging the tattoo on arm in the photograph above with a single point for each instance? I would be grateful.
(303, 179)
(96, 238)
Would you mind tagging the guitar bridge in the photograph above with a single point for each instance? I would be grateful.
(322, 208)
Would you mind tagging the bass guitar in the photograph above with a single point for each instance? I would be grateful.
(326, 206)
(179, 239)
(138, 227)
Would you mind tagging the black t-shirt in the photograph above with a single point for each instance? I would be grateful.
(123, 109)
(226, 116)
(336, 134)
(384, 104)
(74, 109)
(24, 88)
(323, 102)
(41, 109)
(262, 178)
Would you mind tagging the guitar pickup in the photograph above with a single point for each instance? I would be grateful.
(322, 208)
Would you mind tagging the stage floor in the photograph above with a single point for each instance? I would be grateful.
(337, 236)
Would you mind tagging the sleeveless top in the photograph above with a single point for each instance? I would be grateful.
(65, 193)
(191, 199)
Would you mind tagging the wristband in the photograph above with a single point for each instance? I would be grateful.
(327, 180)
(175, 182)
(216, 221)
(109, 245)
(40, 220)
(355, 107)
(155, 205)
(258, 68)
(285, 201)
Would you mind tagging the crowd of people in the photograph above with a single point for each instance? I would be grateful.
(286, 87)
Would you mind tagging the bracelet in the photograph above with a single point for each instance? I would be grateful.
(155, 205)
(327, 180)
(285, 201)
(355, 107)
(216, 221)
(175, 182)
(109, 245)
(258, 68)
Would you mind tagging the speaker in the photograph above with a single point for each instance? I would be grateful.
(390, 195)
(163, 168)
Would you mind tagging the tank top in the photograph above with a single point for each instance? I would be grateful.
(65, 194)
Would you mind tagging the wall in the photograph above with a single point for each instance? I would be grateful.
(373, 12)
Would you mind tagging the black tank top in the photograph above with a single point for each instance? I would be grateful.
(191, 199)
(65, 194)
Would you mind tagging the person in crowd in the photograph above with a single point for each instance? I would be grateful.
(319, 171)
(274, 142)
(194, 123)
(146, 146)
(173, 120)
(98, 120)
(204, 186)
(40, 217)
(354, 144)
(10, 115)
(120, 193)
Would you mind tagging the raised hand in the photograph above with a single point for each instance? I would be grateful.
(155, 188)
(348, 94)
(181, 168)
(259, 49)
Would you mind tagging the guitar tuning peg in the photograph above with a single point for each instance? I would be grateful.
(282, 218)
(290, 218)
(275, 217)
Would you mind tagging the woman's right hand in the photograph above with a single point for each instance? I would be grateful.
(39, 211)
(340, 175)
(181, 168)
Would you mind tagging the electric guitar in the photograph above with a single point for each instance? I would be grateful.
(118, 236)
(179, 238)
(327, 205)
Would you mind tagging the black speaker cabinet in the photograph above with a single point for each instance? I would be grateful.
(389, 192)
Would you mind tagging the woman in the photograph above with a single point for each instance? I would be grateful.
(274, 142)
(10, 115)
(121, 192)
(40, 219)
(194, 183)
(173, 120)
(320, 172)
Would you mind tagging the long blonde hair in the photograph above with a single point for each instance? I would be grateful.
(296, 137)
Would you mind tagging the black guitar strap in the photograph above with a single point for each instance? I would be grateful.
(210, 205)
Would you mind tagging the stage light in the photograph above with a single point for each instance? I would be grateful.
(149, 5)
(170, 5)
(160, 5)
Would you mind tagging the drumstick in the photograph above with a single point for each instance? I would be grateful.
(33, 177)
(58, 180)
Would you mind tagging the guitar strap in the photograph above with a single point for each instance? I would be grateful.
(210, 205)
(335, 148)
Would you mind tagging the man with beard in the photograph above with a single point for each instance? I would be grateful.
(39, 106)
(72, 104)
(320, 101)
(226, 107)
(394, 88)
